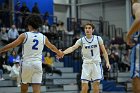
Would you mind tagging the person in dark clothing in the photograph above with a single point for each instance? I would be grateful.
(48, 65)
(35, 8)
(52, 70)
(24, 11)
(3, 61)
(75, 38)
(24, 8)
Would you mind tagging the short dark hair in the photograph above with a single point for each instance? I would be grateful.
(34, 20)
(92, 25)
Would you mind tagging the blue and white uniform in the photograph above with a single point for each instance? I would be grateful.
(91, 68)
(31, 67)
(135, 59)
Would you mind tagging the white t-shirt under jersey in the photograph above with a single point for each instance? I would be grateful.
(90, 48)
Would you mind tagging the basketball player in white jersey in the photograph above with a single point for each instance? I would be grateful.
(135, 54)
(91, 68)
(136, 24)
(33, 43)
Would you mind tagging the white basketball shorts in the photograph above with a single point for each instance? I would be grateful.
(92, 72)
(31, 72)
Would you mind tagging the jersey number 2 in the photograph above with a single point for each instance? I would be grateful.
(34, 47)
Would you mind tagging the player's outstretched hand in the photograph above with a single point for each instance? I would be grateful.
(60, 54)
(108, 66)
(128, 40)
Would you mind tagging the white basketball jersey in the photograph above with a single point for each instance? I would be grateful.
(91, 49)
(33, 46)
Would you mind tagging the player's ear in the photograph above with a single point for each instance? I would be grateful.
(93, 30)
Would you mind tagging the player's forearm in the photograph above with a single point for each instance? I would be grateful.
(54, 49)
(7, 47)
(106, 57)
(134, 28)
(68, 50)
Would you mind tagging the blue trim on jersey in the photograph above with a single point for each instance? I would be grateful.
(95, 80)
(89, 41)
(25, 38)
(85, 80)
(101, 71)
(21, 71)
(133, 61)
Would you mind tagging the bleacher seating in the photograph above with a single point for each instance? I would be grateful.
(62, 84)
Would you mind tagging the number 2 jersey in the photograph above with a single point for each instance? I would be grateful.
(33, 46)
(90, 48)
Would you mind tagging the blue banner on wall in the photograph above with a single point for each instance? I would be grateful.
(43, 5)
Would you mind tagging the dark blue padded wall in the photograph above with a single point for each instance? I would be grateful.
(44, 5)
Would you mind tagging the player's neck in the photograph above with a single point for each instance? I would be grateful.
(33, 30)
(88, 36)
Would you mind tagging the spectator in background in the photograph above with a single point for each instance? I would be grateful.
(5, 14)
(17, 6)
(61, 27)
(75, 38)
(119, 40)
(24, 8)
(61, 30)
(13, 34)
(48, 65)
(25, 11)
(4, 36)
(14, 56)
(3, 58)
(46, 15)
(75, 26)
(53, 29)
(114, 65)
(18, 16)
(1, 24)
(125, 63)
(48, 59)
(2, 62)
(45, 28)
(14, 74)
(35, 8)
(112, 42)
(112, 60)
(1, 71)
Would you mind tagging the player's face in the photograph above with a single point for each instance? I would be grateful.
(88, 30)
